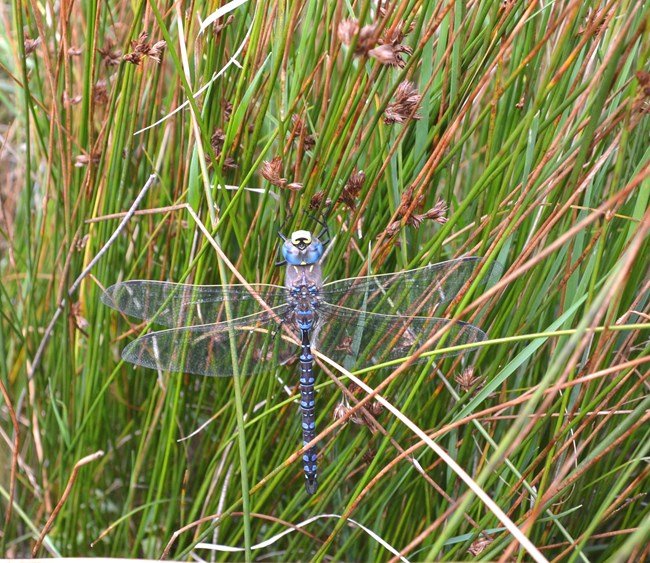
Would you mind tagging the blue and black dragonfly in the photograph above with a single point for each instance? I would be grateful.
(236, 330)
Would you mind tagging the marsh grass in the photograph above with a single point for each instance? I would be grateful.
(522, 137)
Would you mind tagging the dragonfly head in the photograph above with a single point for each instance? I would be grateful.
(302, 249)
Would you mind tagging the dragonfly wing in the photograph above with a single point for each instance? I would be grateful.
(418, 292)
(356, 338)
(175, 304)
(241, 347)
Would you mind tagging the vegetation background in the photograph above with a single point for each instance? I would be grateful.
(513, 130)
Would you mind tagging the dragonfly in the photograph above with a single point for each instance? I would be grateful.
(241, 330)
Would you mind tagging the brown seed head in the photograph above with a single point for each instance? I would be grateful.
(389, 54)
(80, 244)
(340, 411)
(217, 139)
(367, 39)
(216, 142)
(300, 131)
(110, 55)
(75, 313)
(272, 172)
(393, 228)
(365, 416)
(71, 101)
(318, 199)
(229, 163)
(352, 188)
(437, 214)
(644, 82)
(100, 93)
(406, 200)
(349, 29)
(376, 408)
(467, 379)
(369, 456)
(84, 159)
(142, 48)
(298, 123)
(642, 101)
(396, 34)
(218, 26)
(227, 109)
(478, 546)
(31, 45)
(156, 50)
(407, 100)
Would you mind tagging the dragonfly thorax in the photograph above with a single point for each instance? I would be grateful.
(303, 281)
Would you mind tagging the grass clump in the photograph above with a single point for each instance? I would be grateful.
(514, 131)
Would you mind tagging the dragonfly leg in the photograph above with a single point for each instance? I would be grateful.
(284, 226)
(283, 236)
(324, 235)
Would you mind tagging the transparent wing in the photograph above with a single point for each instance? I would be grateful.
(243, 346)
(175, 304)
(418, 292)
(357, 339)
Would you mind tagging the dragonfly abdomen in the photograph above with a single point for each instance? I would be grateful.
(307, 406)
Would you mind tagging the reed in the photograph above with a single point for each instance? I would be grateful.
(426, 130)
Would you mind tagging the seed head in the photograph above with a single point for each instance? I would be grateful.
(100, 93)
(318, 199)
(77, 317)
(216, 142)
(142, 48)
(71, 100)
(227, 109)
(84, 159)
(349, 29)
(110, 55)
(340, 411)
(31, 45)
(437, 214)
(217, 139)
(396, 34)
(300, 131)
(391, 48)
(407, 100)
(272, 172)
(478, 546)
(352, 188)
(467, 379)
(218, 26)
